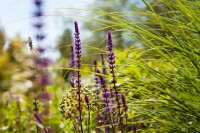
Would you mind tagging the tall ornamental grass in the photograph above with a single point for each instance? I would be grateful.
(161, 73)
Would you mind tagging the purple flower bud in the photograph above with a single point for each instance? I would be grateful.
(69, 115)
(123, 98)
(133, 129)
(124, 101)
(38, 13)
(109, 44)
(98, 71)
(43, 63)
(40, 37)
(95, 63)
(87, 99)
(76, 28)
(44, 80)
(108, 109)
(79, 108)
(38, 117)
(46, 96)
(106, 101)
(38, 25)
(125, 107)
(41, 50)
(105, 95)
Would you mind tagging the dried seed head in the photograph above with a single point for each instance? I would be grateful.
(30, 43)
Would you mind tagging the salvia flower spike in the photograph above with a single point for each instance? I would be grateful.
(41, 63)
(77, 43)
(107, 108)
(111, 61)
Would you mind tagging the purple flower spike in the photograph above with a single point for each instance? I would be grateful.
(105, 95)
(111, 61)
(77, 43)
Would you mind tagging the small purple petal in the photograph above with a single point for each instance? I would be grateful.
(43, 62)
(69, 115)
(44, 80)
(38, 25)
(46, 96)
(105, 95)
(38, 3)
(108, 109)
(106, 101)
(38, 13)
(40, 37)
(41, 50)
(38, 117)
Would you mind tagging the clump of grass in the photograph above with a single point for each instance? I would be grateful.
(162, 76)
